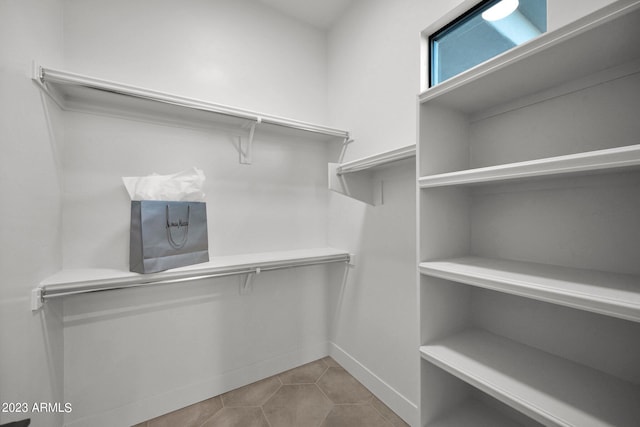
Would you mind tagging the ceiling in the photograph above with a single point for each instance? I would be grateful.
(319, 13)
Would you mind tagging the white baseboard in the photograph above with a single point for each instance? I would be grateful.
(399, 404)
(145, 409)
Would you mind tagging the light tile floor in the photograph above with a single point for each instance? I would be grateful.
(318, 394)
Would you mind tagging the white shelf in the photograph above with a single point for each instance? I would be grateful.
(75, 281)
(607, 160)
(377, 160)
(549, 389)
(473, 413)
(78, 92)
(602, 40)
(356, 179)
(611, 294)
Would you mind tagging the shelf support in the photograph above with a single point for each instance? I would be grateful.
(346, 142)
(358, 188)
(245, 148)
(363, 186)
(246, 282)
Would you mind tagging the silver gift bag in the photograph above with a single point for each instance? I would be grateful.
(166, 235)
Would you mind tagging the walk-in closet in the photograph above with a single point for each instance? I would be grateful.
(291, 213)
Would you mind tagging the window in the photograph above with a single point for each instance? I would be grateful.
(485, 31)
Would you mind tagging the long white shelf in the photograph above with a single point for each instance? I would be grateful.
(73, 91)
(607, 160)
(547, 388)
(473, 413)
(76, 281)
(599, 41)
(377, 160)
(611, 294)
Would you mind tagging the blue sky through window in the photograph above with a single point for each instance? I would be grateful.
(474, 38)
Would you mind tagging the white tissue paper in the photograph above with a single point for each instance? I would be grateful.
(182, 186)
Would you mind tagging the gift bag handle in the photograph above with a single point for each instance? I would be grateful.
(178, 224)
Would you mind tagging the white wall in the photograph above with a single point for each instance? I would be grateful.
(561, 12)
(235, 52)
(373, 81)
(30, 344)
(134, 355)
(374, 77)
(375, 330)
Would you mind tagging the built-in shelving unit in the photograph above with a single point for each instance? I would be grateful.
(78, 92)
(529, 232)
(76, 281)
(357, 178)
(549, 389)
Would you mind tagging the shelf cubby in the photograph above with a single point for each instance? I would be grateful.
(580, 50)
(475, 413)
(549, 389)
(612, 294)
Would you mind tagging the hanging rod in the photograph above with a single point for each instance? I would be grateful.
(199, 272)
(48, 76)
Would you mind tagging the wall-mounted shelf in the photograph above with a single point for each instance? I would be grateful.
(78, 281)
(549, 389)
(377, 160)
(355, 178)
(611, 159)
(606, 293)
(76, 92)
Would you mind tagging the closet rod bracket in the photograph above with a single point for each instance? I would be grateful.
(351, 262)
(247, 281)
(345, 143)
(36, 299)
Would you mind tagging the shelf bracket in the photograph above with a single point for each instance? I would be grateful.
(246, 282)
(361, 186)
(244, 149)
(37, 73)
(352, 260)
(346, 142)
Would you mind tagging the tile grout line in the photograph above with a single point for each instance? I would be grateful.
(272, 394)
(214, 414)
(387, 420)
(381, 414)
(264, 414)
(328, 412)
(333, 405)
